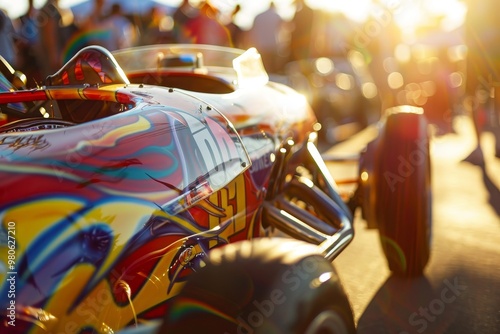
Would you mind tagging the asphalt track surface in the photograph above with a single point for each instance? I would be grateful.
(460, 290)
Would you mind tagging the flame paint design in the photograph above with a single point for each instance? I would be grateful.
(97, 246)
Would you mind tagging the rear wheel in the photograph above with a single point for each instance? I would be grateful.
(403, 193)
(268, 285)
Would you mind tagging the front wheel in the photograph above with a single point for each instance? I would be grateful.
(403, 193)
(268, 285)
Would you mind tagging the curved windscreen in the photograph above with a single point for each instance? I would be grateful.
(172, 55)
(245, 67)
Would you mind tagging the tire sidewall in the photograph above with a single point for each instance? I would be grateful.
(269, 285)
(403, 193)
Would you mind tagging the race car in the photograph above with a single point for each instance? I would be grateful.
(175, 188)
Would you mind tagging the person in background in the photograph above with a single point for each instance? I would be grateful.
(158, 28)
(181, 16)
(96, 29)
(301, 37)
(7, 37)
(482, 36)
(205, 28)
(28, 44)
(123, 31)
(234, 30)
(56, 27)
(265, 37)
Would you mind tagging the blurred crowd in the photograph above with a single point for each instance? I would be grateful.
(42, 39)
(443, 76)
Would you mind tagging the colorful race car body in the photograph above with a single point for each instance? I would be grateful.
(124, 171)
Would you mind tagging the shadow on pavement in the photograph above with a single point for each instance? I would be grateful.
(408, 306)
(389, 310)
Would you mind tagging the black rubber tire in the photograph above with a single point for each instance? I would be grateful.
(403, 197)
(268, 285)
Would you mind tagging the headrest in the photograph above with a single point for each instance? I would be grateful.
(91, 65)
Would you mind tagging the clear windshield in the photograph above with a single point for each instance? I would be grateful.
(245, 67)
(155, 56)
